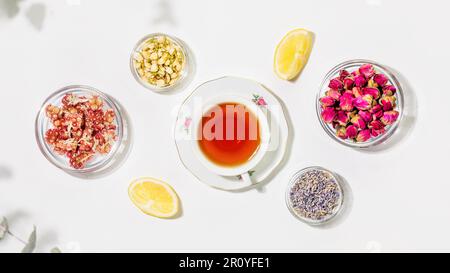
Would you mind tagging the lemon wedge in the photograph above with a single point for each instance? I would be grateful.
(292, 53)
(154, 197)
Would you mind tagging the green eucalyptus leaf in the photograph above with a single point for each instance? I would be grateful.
(3, 228)
(55, 250)
(31, 244)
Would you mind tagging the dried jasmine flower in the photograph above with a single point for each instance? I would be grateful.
(160, 61)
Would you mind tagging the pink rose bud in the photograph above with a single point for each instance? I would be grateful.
(327, 101)
(346, 102)
(351, 131)
(343, 74)
(262, 102)
(336, 84)
(372, 83)
(187, 122)
(342, 118)
(335, 125)
(377, 115)
(341, 132)
(389, 90)
(376, 133)
(355, 73)
(380, 79)
(335, 94)
(366, 116)
(359, 122)
(388, 102)
(377, 128)
(389, 117)
(360, 81)
(363, 136)
(367, 70)
(375, 109)
(348, 83)
(363, 102)
(348, 93)
(328, 114)
(374, 92)
(357, 92)
(376, 124)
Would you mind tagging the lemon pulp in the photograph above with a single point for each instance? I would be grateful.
(292, 53)
(154, 197)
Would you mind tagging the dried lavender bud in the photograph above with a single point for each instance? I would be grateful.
(315, 195)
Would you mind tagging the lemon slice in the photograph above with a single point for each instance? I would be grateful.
(292, 53)
(154, 197)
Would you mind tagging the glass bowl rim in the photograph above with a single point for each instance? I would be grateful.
(50, 155)
(399, 95)
(293, 179)
(184, 74)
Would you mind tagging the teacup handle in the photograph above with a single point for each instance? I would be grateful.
(247, 178)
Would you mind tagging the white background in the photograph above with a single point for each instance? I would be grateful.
(399, 197)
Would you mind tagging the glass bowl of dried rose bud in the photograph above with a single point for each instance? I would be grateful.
(80, 129)
(360, 103)
(160, 62)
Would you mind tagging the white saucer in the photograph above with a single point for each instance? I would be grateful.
(242, 88)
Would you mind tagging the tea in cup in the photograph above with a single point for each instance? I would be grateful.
(232, 136)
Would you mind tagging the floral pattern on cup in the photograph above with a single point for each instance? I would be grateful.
(259, 100)
(187, 124)
(251, 173)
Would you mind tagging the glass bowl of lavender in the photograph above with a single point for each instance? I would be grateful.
(360, 103)
(314, 195)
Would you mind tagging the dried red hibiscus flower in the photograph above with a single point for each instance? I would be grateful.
(81, 129)
(359, 105)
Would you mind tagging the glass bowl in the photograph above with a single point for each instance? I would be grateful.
(186, 70)
(351, 66)
(98, 162)
(310, 221)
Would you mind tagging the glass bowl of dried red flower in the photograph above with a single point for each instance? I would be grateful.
(360, 103)
(80, 129)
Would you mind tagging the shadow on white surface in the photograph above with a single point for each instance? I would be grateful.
(34, 13)
(408, 122)
(47, 240)
(19, 226)
(9, 8)
(121, 155)
(164, 15)
(5, 173)
(15, 219)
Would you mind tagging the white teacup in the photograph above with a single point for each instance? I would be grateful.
(264, 133)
